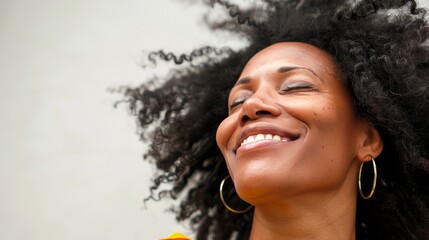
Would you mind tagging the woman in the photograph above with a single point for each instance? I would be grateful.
(325, 131)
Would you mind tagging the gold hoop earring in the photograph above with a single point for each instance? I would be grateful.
(374, 181)
(223, 200)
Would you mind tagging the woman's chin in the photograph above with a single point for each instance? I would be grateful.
(254, 189)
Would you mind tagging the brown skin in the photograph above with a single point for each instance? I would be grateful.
(304, 187)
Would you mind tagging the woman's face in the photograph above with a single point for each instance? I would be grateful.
(291, 127)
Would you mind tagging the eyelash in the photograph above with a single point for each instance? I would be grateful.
(237, 102)
(289, 87)
(297, 85)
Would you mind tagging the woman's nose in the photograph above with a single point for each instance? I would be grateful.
(257, 106)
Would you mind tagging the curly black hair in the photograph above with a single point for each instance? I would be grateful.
(380, 46)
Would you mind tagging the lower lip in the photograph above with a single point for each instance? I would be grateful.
(258, 144)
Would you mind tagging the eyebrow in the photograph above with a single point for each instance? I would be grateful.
(290, 68)
(282, 69)
(244, 80)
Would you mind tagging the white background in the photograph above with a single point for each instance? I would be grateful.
(70, 164)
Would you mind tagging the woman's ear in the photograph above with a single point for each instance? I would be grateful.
(370, 143)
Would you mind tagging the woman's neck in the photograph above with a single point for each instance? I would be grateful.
(308, 217)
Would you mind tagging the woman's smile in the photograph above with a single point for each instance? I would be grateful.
(260, 135)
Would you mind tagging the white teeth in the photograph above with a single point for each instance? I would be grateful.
(260, 137)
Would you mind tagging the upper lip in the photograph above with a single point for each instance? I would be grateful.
(255, 129)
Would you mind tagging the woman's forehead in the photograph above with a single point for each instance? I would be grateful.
(290, 54)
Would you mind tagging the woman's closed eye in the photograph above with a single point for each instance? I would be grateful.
(237, 102)
(290, 87)
(296, 86)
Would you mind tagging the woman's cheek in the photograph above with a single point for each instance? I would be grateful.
(224, 133)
